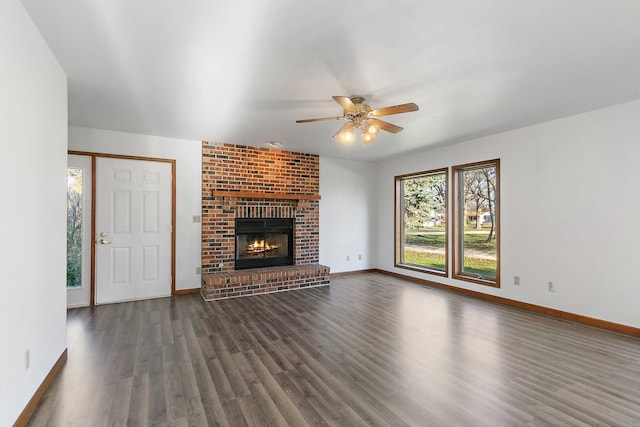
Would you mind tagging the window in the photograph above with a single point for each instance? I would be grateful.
(421, 221)
(74, 227)
(476, 231)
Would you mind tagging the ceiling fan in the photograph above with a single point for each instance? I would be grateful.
(360, 116)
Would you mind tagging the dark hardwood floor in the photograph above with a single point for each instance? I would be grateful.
(368, 350)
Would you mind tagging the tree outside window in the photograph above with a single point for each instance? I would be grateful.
(74, 228)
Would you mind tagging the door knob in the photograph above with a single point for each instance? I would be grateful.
(104, 241)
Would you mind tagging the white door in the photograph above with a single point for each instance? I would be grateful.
(133, 230)
(78, 231)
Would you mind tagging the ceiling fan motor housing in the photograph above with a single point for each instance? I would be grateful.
(359, 116)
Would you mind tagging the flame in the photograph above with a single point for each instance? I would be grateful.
(260, 246)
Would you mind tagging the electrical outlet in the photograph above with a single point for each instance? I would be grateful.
(348, 258)
(516, 280)
(196, 218)
(27, 360)
(198, 270)
(359, 257)
(552, 287)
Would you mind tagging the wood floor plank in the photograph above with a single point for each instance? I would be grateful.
(368, 350)
(157, 402)
(119, 410)
(285, 407)
(174, 395)
(270, 412)
(209, 397)
(139, 400)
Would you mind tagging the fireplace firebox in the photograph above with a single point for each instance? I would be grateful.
(263, 242)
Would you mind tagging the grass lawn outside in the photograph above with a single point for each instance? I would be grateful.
(424, 259)
(474, 266)
(471, 241)
(485, 266)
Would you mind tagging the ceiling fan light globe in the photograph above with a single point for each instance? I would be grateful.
(345, 134)
(347, 137)
(368, 137)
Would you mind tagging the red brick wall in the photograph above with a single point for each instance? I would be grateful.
(228, 167)
(231, 167)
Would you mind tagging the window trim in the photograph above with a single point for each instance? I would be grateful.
(399, 223)
(458, 210)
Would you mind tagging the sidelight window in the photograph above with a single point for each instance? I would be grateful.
(74, 227)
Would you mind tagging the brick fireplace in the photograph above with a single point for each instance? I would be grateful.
(241, 182)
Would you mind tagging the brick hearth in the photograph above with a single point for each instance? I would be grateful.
(255, 281)
(249, 182)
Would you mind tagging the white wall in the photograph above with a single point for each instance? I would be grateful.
(188, 157)
(347, 214)
(570, 211)
(33, 144)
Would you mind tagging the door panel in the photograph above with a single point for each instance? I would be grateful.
(121, 207)
(150, 265)
(133, 226)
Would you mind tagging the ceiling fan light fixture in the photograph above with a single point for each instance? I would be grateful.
(347, 137)
(371, 127)
(368, 137)
(345, 134)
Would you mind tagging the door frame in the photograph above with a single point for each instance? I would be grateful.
(94, 156)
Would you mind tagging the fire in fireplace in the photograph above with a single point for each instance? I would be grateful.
(263, 242)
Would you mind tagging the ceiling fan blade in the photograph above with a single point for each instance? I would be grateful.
(320, 119)
(346, 103)
(396, 109)
(386, 126)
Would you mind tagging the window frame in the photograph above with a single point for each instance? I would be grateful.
(458, 224)
(399, 223)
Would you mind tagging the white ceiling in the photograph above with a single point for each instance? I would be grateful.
(243, 71)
